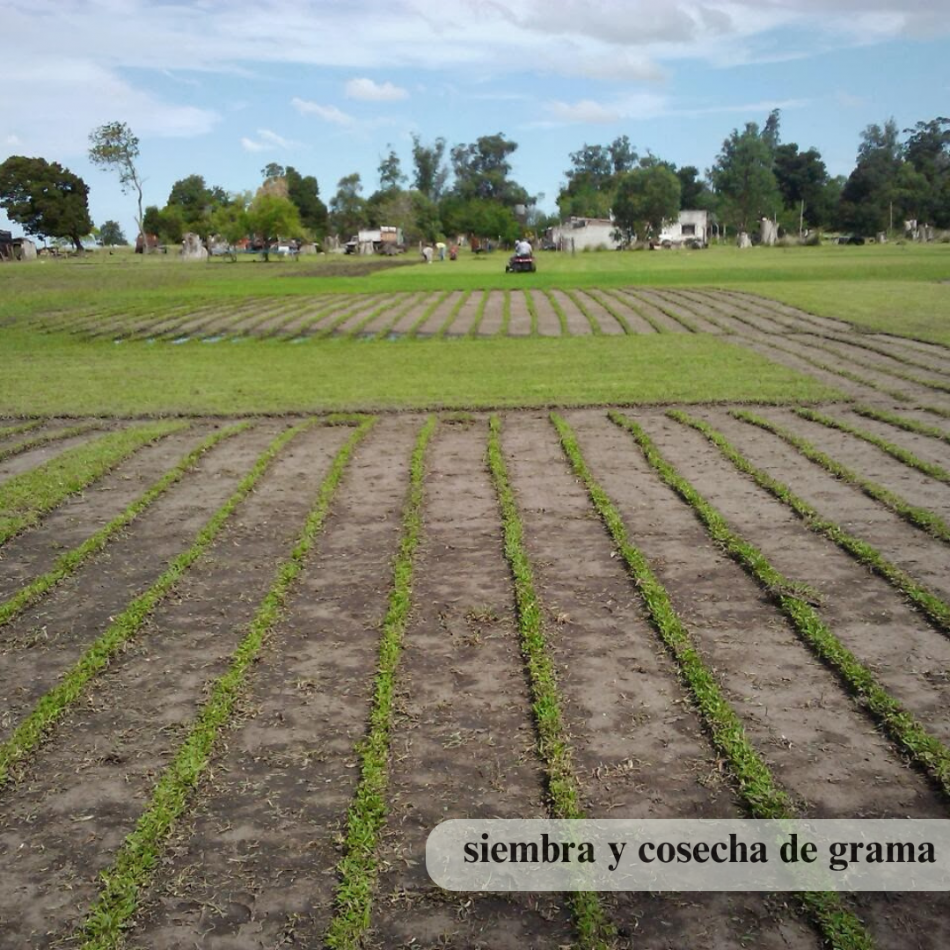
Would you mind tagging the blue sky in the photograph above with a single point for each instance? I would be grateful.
(222, 87)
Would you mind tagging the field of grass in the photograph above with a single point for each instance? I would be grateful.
(64, 376)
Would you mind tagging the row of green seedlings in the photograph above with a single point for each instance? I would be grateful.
(31, 731)
(821, 323)
(920, 517)
(933, 607)
(46, 437)
(358, 869)
(838, 370)
(609, 301)
(68, 563)
(645, 299)
(911, 738)
(138, 857)
(902, 422)
(754, 783)
(811, 360)
(898, 452)
(27, 497)
(593, 929)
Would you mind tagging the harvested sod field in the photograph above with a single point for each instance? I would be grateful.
(247, 664)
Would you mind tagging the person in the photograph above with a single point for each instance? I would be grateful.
(522, 248)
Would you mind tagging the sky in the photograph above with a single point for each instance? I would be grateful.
(221, 88)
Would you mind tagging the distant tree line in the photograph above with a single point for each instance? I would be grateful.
(469, 189)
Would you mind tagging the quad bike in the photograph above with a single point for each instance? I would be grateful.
(520, 264)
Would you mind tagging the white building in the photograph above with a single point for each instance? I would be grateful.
(578, 234)
(689, 226)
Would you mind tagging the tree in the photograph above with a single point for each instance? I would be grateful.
(928, 151)
(430, 172)
(348, 206)
(743, 177)
(802, 179)
(115, 147)
(646, 197)
(304, 192)
(111, 233)
(230, 220)
(270, 217)
(867, 199)
(272, 170)
(390, 172)
(47, 199)
(482, 169)
(195, 200)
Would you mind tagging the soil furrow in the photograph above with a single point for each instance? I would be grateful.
(466, 316)
(493, 314)
(412, 316)
(635, 319)
(463, 743)
(47, 639)
(609, 324)
(439, 315)
(870, 461)
(32, 458)
(638, 746)
(643, 297)
(749, 299)
(911, 659)
(102, 762)
(577, 323)
(548, 323)
(257, 860)
(35, 551)
(520, 324)
(816, 741)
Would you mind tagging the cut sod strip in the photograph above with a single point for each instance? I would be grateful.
(559, 310)
(45, 438)
(479, 314)
(25, 498)
(936, 610)
(358, 868)
(593, 929)
(139, 854)
(755, 783)
(902, 455)
(28, 735)
(453, 315)
(69, 562)
(919, 517)
(20, 428)
(902, 422)
(413, 331)
(910, 736)
(588, 316)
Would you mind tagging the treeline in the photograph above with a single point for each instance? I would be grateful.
(469, 189)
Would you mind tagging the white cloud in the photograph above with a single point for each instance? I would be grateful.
(267, 141)
(249, 145)
(12, 141)
(370, 91)
(586, 111)
(327, 113)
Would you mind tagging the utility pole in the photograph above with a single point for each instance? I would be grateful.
(801, 220)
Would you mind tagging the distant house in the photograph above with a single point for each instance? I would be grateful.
(689, 227)
(579, 234)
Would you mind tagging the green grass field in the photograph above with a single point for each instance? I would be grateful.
(902, 289)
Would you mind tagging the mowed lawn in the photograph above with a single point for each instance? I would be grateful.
(897, 288)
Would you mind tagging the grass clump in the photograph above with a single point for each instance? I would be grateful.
(358, 869)
(140, 852)
(25, 498)
(553, 745)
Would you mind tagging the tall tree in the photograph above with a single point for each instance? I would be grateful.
(803, 182)
(115, 147)
(743, 178)
(390, 171)
(430, 173)
(482, 170)
(272, 170)
(928, 151)
(47, 199)
(304, 192)
(692, 188)
(348, 206)
(867, 199)
(646, 197)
